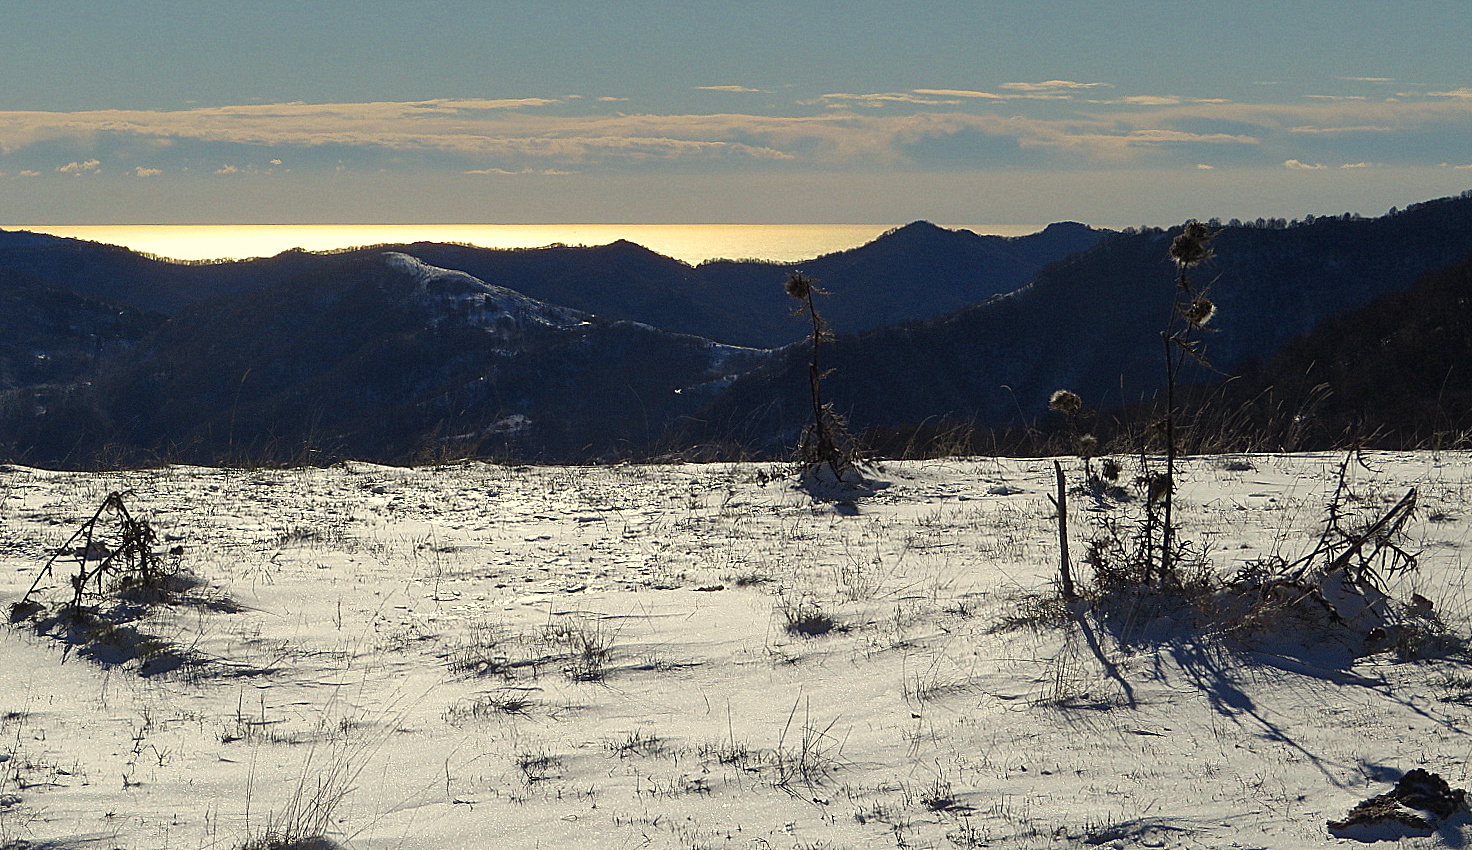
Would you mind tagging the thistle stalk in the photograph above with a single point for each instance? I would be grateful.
(1191, 311)
(820, 445)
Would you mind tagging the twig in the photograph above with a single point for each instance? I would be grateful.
(1060, 502)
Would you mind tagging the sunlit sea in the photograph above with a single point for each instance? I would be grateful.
(692, 243)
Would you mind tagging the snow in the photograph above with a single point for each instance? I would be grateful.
(485, 656)
(485, 305)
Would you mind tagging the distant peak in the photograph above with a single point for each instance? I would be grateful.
(916, 229)
(628, 251)
(423, 273)
(1061, 226)
(623, 246)
(919, 225)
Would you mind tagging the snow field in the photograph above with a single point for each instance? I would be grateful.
(478, 656)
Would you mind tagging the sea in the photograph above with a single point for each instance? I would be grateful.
(692, 243)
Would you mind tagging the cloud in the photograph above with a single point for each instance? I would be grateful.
(91, 166)
(985, 95)
(1463, 93)
(735, 89)
(1406, 117)
(1336, 97)
(881, 98)
(147, 172)
(1160, 135)
(501, 103)
(1147, 100)
(1051, 85)
(935, 128)
(963, 93)
(1201, 166)
(1303, 166)
(1356, 165)
(503, 172)
(1156, 100)
(1367, 79)
(1363, 128)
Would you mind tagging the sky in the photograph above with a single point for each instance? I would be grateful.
(625, 111)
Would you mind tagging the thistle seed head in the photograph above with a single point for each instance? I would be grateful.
(1200, 311)
(797, 286)
(1065, 401)
(1088, 446)
(1190, 247)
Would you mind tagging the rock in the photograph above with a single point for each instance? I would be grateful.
(1419, 803)
(1421, 789)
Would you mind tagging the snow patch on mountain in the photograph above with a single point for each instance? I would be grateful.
(452, 293)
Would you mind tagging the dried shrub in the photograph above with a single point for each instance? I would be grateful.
(114, 554)
(119, 575)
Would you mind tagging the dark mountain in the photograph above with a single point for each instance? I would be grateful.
(382, 357)
(334, 351)
(917, 271)
(914, 272)
(50, 335)
(620, 281)
(1395, 373)
(1092, 323)
(119, 275)
(378, 355)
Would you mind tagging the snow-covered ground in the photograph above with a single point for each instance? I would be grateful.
(479, 656)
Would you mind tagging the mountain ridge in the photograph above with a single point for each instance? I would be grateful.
(1091, 323)
(734, 302)
(356, 361)
(402, 353)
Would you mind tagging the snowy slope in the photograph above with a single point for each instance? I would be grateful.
(483, 656)
(445, 292)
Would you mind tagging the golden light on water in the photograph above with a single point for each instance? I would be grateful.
(692, 243)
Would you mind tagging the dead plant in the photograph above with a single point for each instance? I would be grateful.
(827, 439)
(119, 575)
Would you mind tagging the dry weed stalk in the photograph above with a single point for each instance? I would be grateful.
(130, 560)
(1149, 554)
(826, 440)
(1342, 583)
(1142, 569)
(118, 568)
(1192, 311)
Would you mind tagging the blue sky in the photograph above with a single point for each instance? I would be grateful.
(1113, 113)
